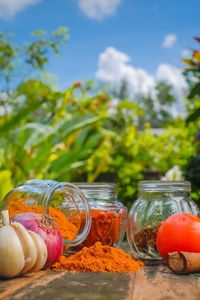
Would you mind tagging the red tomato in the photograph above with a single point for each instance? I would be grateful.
(179, 232)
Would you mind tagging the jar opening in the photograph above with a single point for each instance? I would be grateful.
(72, 203)
(96, 186)
(161, 185)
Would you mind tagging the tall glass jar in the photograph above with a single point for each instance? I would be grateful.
(63, 201)
(156, 201)
(107, 213)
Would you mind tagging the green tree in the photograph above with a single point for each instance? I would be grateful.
(157, 110)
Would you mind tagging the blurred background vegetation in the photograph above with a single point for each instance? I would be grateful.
(89, 132)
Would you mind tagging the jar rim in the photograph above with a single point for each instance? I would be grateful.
(96, 186)
(81, 236)
(162, 185)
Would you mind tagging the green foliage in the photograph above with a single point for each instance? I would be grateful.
(156, 108)
(40, 131)
(194, 115)
(126, 151)
(7, 53)
(82, 133)
(21, 61)
(37, 51)
(192, 174)
(192, 73)
(192, 171)
(5, 182)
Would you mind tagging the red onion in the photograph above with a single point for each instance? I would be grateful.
(45, 227)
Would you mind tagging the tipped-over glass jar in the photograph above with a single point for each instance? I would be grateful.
(107, 213)
(157, 200)
(63, 201)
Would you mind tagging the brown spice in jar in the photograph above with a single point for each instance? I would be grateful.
(146, 238)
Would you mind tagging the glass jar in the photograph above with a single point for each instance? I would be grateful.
(63, 201)
(107, 213)
(157, 200)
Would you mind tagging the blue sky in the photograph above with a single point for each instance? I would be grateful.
(110, 39)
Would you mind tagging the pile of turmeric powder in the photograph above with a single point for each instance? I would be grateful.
(98, 258)
(67, 229)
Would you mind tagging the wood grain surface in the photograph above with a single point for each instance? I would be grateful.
(152, 283)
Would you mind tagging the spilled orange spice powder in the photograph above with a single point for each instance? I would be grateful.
(98, 258)
(67, 229)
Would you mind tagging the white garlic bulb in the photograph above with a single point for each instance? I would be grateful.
(21, 251)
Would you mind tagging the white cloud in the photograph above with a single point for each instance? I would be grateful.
(172, 76)
(9, 8)
(169, 41)
(115, 66)
(98, 9)
(186, 53)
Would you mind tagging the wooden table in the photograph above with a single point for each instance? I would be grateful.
(152, 283)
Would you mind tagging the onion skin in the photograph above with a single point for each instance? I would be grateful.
(47, 229)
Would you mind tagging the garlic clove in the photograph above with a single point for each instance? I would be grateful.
(11, 253)
(28, 245)
(41, 252)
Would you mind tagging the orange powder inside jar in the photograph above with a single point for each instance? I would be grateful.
(68, 230)
(105, 227)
